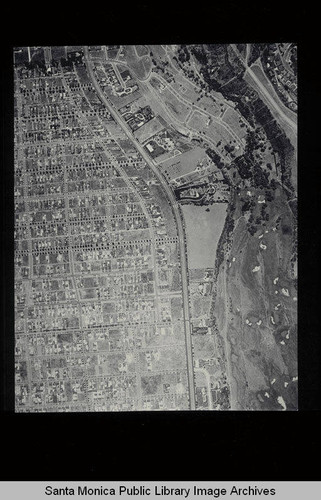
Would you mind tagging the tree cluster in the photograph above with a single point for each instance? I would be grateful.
(183, 54)
(215, 158)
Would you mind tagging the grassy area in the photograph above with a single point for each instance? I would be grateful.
(148, 130)
(261, 319)
(218, 133)
(232, 118)
(183, 164)
(158, 52)
(112, 53)
(139, 66)
(203, 230)
(198, 121)
(141, 50)
(179, 109)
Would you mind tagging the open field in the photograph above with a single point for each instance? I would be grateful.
(256, 308)
(148, 130)
(184, 164)
(165, 156)
(159, 108)
(201, 306)
(83, 75)
(163, 357)
(193, 95)
(141, 50)
(203, 230)
(217, 132)
(209, 105)
(178, 108)
(197, 122)
(158, 52)
(185, 88)
(115, 131)
(207, 126)
(156, 103)
(112, 51)
(140, 66)
(126, 145)
(231, 117)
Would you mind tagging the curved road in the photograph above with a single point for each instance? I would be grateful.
(187, 324)
(265, 92)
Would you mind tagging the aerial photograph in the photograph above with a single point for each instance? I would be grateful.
(155, 195)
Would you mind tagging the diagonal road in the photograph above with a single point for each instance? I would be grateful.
(181, 234)
(263, 90)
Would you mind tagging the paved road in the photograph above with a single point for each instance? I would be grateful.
(265, 91)
(114, 112)
(284, 57)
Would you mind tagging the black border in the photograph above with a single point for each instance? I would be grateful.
(179, 445)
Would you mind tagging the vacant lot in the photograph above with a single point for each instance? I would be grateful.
(217, 132)
(112, 52)
(148, 130)
(141, 50)
(231, 117)
(186, 89)
(197, 121)
(139, 65)
(176, 107)
(185, 164)
(203, 230)
(158, 52)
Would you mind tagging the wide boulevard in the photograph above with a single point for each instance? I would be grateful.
(171, 199)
